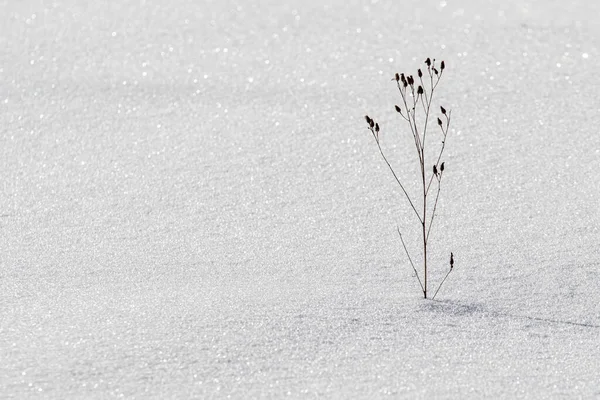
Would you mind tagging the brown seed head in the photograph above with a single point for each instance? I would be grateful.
(442, 167)
(367, 119)
(428, 62)
(434, 169)
(442, 65)
(397, 77)
(451, 260)
(377, 128)
(419, 90)
(403, 79)
(419, 73)
(439, 122)
(398, 109)
(443, 110)
(435, 70)
(371, 123)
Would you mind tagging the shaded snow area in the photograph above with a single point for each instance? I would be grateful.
(192, 205)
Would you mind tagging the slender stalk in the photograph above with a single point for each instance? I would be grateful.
(445, 134)
(396, 176)
(443, 280)
(424, 219)
(407, 86)
(437, 196)
(410, 260)
(412, 129)
(427, 115)
(424, 92)
(425, 261)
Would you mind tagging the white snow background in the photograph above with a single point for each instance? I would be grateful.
(192, 206)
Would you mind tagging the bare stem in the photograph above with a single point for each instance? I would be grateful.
(410, 260)
(423, 222)
(424, 91)
(437, 196)
(408, 119)
(444, 280)
(396, 176)
(427, 113)
(445, 134)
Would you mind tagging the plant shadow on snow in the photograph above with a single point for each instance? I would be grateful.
(454, 308)
(461, 309)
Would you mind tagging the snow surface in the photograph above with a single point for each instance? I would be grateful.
(192, 206)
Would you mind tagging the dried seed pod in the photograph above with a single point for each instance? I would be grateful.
(403, 79)
(451, 260)
(442, 65)
(419, 90)
(368, 119)
(435, 70)
(398, 109)
(428, 62)
(439, 122)
(377, 128)
(397, 77)
(371, 123)
(443, 110)
(410, 79)
(442, 167)
(419, 73)
(434, 169)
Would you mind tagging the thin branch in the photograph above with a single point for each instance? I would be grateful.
(420, 143)
(395, 176)
(424, 90)
(414, 133)
(402, 115)
(438, 78)
(409, 259)
(425, 108)
(427, 115)
(444, 280)
(437, 196)
(445, 133)
(429, 184)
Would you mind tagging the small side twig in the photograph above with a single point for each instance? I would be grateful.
(410, 260)
(444, 280)
(375, 131)
(445, 135)
(437, 196)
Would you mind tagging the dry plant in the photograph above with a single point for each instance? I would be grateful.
(417, 96)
